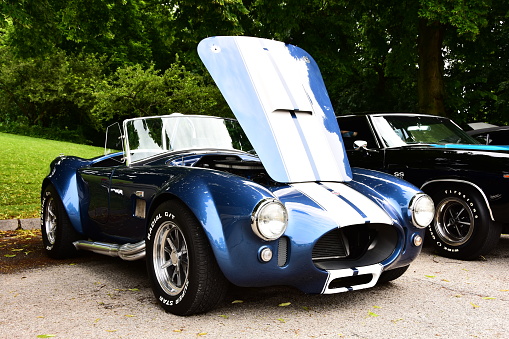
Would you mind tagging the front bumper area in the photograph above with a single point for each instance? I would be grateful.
(351, 279)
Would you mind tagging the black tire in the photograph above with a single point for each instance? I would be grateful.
(462, 227)
(185, 276)
(391, 275)
(58, 234)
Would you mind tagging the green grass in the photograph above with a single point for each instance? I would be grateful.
(24, 162)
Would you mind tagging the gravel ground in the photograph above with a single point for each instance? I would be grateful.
(103, 297)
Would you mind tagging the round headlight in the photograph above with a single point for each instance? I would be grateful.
(422, 209)
(269, 219)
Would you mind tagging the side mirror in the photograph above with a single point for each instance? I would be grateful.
(360, 145)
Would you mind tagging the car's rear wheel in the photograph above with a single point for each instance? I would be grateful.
(58, 234)
(462, 228)
(185, 276)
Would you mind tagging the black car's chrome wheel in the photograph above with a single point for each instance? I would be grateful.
(185, 276)
(58, 234)
(462, 228)
(455, 221)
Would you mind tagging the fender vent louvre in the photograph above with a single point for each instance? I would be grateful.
(282, 251)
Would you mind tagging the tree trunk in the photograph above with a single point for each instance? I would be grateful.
(430, 81)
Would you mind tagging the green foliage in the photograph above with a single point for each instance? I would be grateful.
(73, 66)
(53, 92)
(118, 29)
(74, 96)
(24, 162)
(467, 16)
(479, 71)
(133, 91)
(366, 59)
(193, 20)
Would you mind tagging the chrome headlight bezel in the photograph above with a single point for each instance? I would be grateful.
(422, 209)
(269, 219)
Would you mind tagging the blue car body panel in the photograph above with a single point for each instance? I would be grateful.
(226, 217)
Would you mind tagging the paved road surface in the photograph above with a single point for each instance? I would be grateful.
(110, 298)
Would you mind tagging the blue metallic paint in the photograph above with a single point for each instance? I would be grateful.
(223, 208)
(63, 177)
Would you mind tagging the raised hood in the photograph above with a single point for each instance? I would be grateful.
(277, 94)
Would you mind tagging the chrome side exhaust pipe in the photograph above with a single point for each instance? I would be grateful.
(128, 252)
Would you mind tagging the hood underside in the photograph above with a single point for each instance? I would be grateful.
(277, 94)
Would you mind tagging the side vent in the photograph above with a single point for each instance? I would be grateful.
(140, 209)
(282, 251)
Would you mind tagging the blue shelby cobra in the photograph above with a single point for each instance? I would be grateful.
(207, 201)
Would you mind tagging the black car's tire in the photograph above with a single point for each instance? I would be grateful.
(393, 274)
(462, 227)
(185, 276)
(58, 234)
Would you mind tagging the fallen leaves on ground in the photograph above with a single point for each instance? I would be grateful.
(23, 249)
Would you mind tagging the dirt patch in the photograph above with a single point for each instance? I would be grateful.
(23, 249)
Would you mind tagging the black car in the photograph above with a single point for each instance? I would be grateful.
(468, 181)
(491, 136)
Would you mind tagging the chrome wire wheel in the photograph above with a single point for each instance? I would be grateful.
(171, 259)
(454, 221)
(50, 219)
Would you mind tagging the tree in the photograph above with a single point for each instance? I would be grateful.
(114, 28)
(466, 17)
(49, 91)
(134, 91)
(477, 71)
(389, 47)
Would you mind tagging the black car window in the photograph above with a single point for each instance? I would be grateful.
(355, 128)
(398, 130)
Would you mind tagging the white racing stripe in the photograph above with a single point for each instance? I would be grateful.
(345, 205)
(375, 271)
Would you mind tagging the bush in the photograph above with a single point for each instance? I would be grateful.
(74, 136)
(73, 98)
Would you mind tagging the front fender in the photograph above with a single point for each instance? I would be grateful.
(223, 204)
(394, 195)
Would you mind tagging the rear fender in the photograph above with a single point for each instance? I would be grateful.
(63, 176)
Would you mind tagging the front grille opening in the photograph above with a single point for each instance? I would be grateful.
(356, 245)
(348, 282)
(332, 245)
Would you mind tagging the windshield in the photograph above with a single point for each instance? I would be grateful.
(150, 136)
(398, 130)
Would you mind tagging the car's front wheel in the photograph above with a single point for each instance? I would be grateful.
(462, 228)
(185, 276)
(58, 234)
